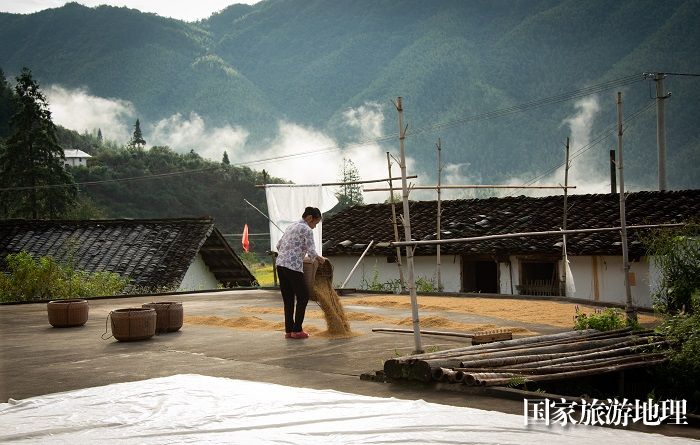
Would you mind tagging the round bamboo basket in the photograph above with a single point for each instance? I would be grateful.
(133, 324)
(169, 315)
(67, 313)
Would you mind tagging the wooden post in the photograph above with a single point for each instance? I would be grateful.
(564, 258)
(407, 232)
(439, 213)
(396, 227)
(629, 308)
(613, 177)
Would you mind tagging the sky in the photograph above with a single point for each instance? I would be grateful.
(178, 9)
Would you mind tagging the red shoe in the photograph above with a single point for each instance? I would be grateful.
(288, 335)
(300, 335)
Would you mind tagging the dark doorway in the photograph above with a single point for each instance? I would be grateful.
(480, 276)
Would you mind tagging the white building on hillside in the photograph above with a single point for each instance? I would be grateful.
(75, 157)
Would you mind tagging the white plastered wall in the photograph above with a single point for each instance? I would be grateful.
(608, 278)
(601, 278)
(425, 267)
(198, 277)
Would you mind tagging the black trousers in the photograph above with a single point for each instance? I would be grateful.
(292, 284)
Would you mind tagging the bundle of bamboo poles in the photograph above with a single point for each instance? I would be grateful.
(534, 359)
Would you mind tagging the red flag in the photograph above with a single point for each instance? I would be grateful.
(244, 241)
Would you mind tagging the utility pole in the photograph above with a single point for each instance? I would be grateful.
(661, 127)
(564, 258)
(393, 220)
(630, 311)
(407, 232)
(661, 96)
(439, 213)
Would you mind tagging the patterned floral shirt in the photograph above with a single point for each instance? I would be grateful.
(297, 242)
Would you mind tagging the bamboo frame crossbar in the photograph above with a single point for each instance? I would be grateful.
(445, 333)
(329, 184)
(517, 235)
(476, 186)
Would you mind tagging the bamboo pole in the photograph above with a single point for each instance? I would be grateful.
(447, 375)
(566, 344)
(395, 367)
(523, 234)
(568, 375)
(586, 350)
(527, 359)
(395, 225)
(552, 359)
(407, 232)
(369, 246)
(518, 342)
(475, 186)
(583, 364)
(548, 352)
(445, 333)
(328, 184)
(475, 378)
(629, 308)
(565, 259)
(439, 213)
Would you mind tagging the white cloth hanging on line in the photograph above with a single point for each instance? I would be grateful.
(286, 203)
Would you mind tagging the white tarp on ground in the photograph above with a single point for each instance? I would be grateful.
(286, 203)
(201, 409)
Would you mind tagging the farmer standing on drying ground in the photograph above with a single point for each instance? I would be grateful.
(295, 244)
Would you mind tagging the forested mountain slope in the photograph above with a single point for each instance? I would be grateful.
(452, 61)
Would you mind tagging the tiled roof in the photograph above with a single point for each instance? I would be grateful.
(349, 231)
(152, 253)
(75, 153)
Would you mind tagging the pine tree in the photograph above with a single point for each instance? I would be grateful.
(137, 140)
(32, 158)
(6, 110)
(99, 135)
(225, 160)
(349, 194)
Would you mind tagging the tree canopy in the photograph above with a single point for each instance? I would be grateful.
(349, 194)
(494, 79)
(34, 181)
(137, 140)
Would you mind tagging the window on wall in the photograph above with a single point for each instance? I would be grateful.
(539, 278)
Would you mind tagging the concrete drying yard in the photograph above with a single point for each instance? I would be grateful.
(37, 359)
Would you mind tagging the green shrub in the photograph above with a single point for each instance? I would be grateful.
(45, 279)
(250, 259)
(679, 376)
(603, 320)
(374, 284)
(425, 285)
(677, 256)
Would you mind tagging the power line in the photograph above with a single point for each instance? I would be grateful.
(494, 114)
(104, 181)
(596, 140)
(677, 74)
(576, 94)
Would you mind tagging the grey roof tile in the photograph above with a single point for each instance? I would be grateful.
(478, 217)
(153, 253)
